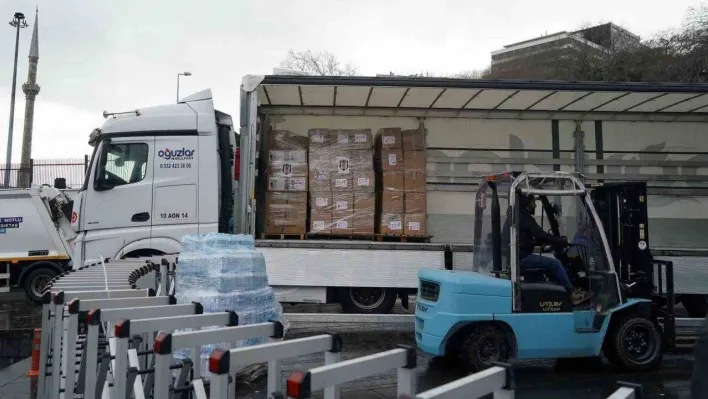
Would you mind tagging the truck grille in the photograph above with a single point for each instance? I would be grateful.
(429, 290)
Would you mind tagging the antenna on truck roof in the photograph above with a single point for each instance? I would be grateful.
(106, 114)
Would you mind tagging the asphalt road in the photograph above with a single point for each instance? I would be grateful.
(535, 379)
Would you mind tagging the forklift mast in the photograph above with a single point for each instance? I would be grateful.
(622, 208)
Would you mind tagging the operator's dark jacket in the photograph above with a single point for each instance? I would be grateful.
(699, 384)
(530, 230)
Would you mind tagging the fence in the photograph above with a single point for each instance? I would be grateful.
(44, 171)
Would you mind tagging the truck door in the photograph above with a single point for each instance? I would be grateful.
(175, 187)
(119, 193)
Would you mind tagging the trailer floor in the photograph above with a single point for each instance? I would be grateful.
(535, 379)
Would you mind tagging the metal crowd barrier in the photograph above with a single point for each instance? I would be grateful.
(301, 384)
(67, 301)
(166, 344)
(222, 361)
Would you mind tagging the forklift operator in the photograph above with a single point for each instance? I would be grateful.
(530, 233)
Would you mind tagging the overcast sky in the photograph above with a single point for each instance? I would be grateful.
(121, 55)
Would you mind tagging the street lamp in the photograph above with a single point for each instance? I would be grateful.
(178, 75)
(18, 22)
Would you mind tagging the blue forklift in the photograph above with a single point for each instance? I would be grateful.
(501, 310)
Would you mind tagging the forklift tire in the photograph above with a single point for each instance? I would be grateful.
(695, 305)
(635, 344)
(368, 300)
(485, 346)
(35, 282)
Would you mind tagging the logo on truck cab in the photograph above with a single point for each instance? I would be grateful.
(178, 154)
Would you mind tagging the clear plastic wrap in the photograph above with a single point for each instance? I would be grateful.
(345, 159)
(224, 272)
(401, 165)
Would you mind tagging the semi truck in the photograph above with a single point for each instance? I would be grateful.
(159, 173)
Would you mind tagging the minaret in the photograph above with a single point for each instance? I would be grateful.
(31, 89)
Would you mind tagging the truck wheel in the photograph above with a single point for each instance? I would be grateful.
(371, 300)
(484, 346)
(35, 282)
(635, 345)
(695, 305)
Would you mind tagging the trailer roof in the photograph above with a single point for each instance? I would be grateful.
(461, 95)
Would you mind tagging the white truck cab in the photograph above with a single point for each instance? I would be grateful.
(155, 177)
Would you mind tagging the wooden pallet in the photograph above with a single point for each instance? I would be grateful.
(265, 236)
(402, 238)
(350, 237)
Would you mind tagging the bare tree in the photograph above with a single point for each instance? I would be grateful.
(317, 63)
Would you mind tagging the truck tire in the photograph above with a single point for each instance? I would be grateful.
(485, 345)
(368, 300)
(35, 282)
(695, 305)
(635, 344)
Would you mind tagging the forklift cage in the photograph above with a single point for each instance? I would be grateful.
(531, 183)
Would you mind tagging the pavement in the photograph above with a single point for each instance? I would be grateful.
(535, 379)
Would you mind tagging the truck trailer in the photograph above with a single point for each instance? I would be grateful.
(159, 173)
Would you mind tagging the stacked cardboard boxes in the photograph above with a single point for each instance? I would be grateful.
(286, 199)
(342, 200)
(415, 198)
(389, 165)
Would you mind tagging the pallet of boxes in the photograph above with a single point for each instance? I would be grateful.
(286, 198)
(402, 199)
(342, 182)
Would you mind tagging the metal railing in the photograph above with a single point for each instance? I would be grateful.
(45, 171)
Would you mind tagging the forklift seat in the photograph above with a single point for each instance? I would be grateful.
(534, 274)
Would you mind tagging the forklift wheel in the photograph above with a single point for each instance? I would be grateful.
(635, 344)
(484, 346)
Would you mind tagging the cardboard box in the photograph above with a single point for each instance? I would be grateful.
(287, 169)
(291, 156)
(390, 160)
(340, 163)
(362, 160)
(392, 181)
(392, 202)
(341, 183)
(391, 224)
(320, 222)
(343, 201)
(286, 140)
(363, 223)
(319, 166)
(286, 213)
(287, 183)
(389, 138)
(414, 181)
(341, 139)
(320, 201)
(319, 139)
(361, 139)
(415, 203)
(342, 222)
(364, 202)
(413, 139)
(414, 161)
(364, 181)
(414, 224)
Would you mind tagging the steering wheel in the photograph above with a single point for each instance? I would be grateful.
(562, 253)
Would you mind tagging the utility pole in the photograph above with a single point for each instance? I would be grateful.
(17, 22)
(178, 75)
